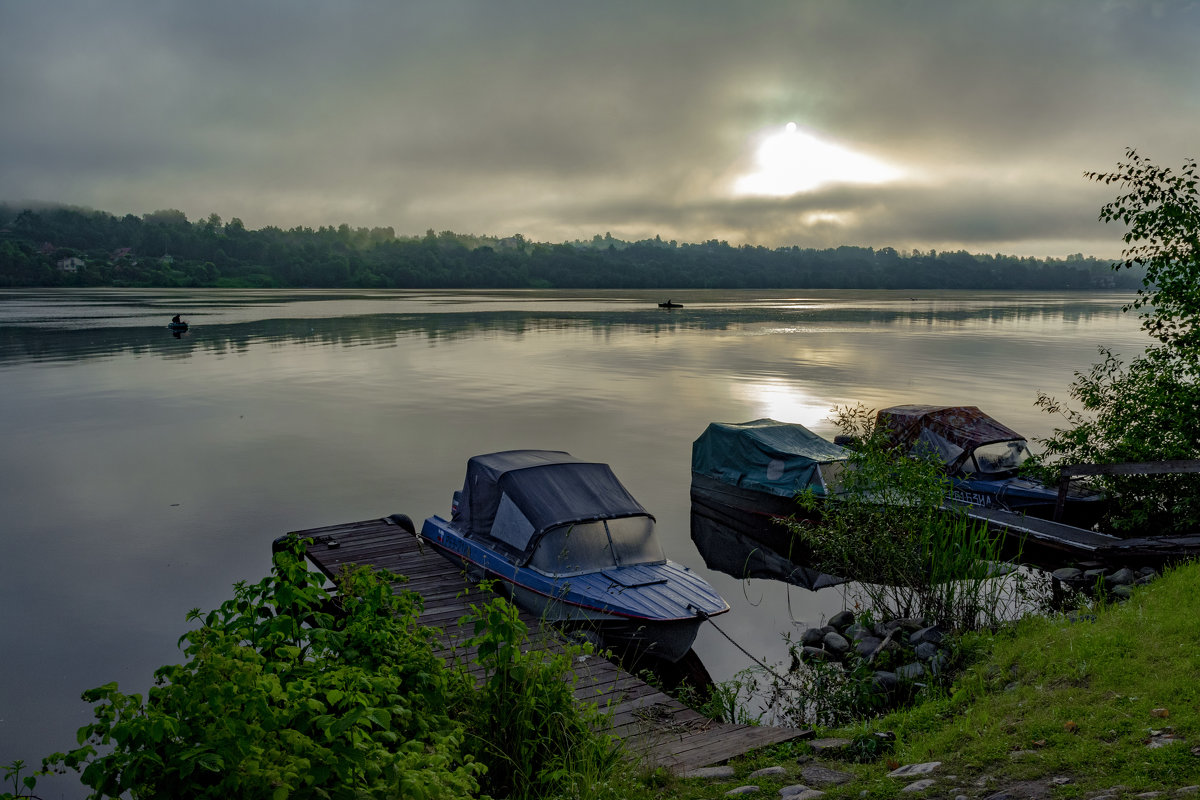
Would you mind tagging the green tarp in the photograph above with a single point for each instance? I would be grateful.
(779, 458)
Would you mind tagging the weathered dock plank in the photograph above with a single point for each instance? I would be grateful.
(1047, 543)
(653, 726)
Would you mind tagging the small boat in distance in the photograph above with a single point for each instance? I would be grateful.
(176, 324)
(571, 545)
(670, 304)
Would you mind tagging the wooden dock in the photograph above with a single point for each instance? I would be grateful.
(1051, 544)
(654, 727)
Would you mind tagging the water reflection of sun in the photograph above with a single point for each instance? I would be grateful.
(783, 401)
(794, 161)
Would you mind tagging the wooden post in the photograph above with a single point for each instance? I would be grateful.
(1133, 468)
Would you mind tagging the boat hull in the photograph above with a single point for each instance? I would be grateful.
(1083, 509)
(753, 513)
(653, 610)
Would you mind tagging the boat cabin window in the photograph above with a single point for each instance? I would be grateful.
(931, 444)
(998, 457)
(634, 541)
(594, 546)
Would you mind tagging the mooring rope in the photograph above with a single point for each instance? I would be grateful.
(752, 657)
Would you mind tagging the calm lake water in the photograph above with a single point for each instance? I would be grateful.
(144, 474)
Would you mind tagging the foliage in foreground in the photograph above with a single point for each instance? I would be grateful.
(523, 722)
(282, 696)
(1148, 410)
(289, 692)
(887, 530)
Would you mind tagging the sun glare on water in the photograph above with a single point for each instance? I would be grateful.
(794, 161)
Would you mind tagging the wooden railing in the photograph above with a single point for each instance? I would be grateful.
(1133, 468)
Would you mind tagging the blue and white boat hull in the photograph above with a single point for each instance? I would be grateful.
(655, 609)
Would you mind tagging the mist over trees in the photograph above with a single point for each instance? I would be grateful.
(65, 246)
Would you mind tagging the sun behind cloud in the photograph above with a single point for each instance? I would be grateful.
(794, 161)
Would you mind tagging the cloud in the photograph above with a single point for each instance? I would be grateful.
(560, 120)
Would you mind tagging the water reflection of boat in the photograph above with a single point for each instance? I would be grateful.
(574, 547)
(745, 478)
(732, 542)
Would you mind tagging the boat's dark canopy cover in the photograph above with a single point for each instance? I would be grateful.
(517, 495)
(951, 432)
(779, 458)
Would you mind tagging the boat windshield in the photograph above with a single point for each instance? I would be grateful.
(594, 546)
(997, 457)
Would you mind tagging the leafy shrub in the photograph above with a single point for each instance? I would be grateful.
(1148, 410)
(523, 721)
(284, 694)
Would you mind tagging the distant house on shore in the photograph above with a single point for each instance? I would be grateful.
(122, 254)
(70, 264)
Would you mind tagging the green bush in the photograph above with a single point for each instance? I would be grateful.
(523, 721)
(285, 695)
(1148, 410)
(289, 691)
(889, 530)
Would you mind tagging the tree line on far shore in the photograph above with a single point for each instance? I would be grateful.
(66, 246)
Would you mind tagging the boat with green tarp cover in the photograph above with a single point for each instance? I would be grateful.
(745, 479)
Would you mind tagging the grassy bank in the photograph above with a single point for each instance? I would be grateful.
(1079, 697)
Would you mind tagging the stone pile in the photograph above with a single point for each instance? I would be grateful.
(1116, 583)
(915, 644)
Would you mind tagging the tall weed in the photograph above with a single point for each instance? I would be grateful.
(523, 720)
(890, 530)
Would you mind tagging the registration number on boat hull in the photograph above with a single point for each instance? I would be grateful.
(972, 498)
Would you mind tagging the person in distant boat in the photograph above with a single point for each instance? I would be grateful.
(175, 319)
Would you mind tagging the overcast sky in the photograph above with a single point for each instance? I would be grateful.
(946, 125)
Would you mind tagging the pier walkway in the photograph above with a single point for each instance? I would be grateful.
(1052, 544)
(654, 727)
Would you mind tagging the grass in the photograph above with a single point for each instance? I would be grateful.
(1048, 697)
(1077, 698)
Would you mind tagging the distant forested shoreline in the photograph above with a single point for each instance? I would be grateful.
(65, 246)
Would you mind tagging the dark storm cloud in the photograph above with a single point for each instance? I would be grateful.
(563, 119)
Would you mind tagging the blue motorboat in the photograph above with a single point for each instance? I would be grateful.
(573, 546)
(982, 459)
